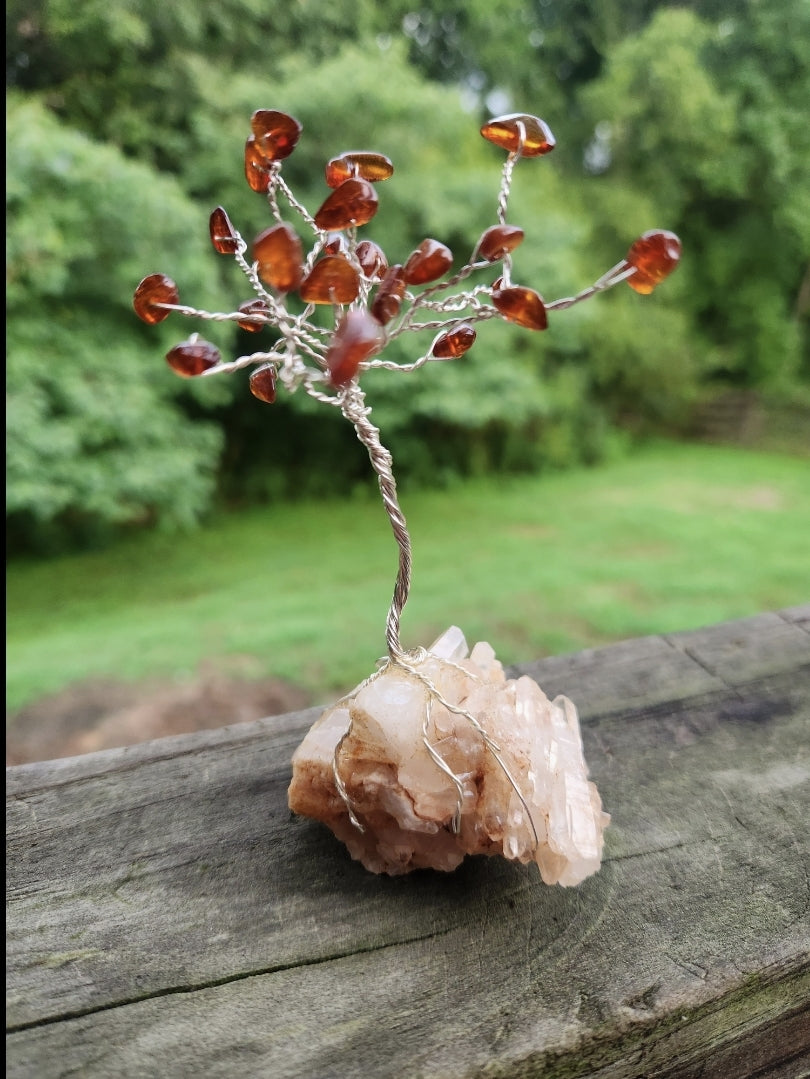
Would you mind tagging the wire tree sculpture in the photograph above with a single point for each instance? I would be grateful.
(373, 302)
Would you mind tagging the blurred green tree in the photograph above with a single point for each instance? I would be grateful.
(97, 434)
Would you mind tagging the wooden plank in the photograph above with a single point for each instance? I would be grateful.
(168, 916)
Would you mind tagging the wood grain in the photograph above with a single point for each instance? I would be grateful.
(167, 916)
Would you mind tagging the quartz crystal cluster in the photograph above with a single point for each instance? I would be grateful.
(436, 755)
(443, 756)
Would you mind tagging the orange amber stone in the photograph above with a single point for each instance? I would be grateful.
(154, 289)
(256, 173)
(223, 234)
(521, 305)
(499, 240)
(280, 256)
(353, 203)
(372, 259)
(276, 134)
(192, 357)
(357, 338)
(252, 307)
(335, 244)
(364, 164)
(429, 261)
(454, 343)
(333, 280)
(654, 255)
(390, 294)
(262, 383)
(505, 131)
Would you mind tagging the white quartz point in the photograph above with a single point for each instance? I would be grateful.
(507, 767)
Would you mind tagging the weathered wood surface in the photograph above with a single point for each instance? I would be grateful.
(168, 917)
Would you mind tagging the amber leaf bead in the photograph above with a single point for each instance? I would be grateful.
(430, 260)
(454, 343)
(357, 338)
(353, 203)
(389, 296)
(262, 383)
(256, 173)
(364, 164)
(276, 133)
(372, 259)
(523, 306)
(280, 256)
(193, 357)
(333, 279)
(654, 256)
(253, 307)
(505, 131)
(154, 289)
(223, 234)
(335, 244)
(498, 241)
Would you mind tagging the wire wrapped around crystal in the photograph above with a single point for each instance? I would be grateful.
(474, 762)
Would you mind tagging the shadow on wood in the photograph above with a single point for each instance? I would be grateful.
(168, 917)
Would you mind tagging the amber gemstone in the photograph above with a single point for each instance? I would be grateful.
(499, 240)
(429, 261)
(263, 383)
(505, 131)
(521, 305)
(154, 289)
(390, 293)
(372, 259)
(276, 134)
(253, 307)
(353, 203)
(256, 173)
(192, 357)
(335, 244)
(223, 234)
(280, 256)
(333, 280)
(364, 164)
(654, 255)
(454, 343)
(357, 338)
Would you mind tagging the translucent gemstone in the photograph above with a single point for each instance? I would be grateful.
(192, 357)
(154, 289)
(654, 255)
(333, 280)
(521, 305)
(280, 256)
(505, 132)
(429, 261)
(253, 307)
(276, 133)
(335, 244)
(390, 293)
(357, 338)
(263, 383)
(365, 164)
(353, 203)
(372, 259)
(454, 343)
(499, 240)
(223, 234)
(256, 173)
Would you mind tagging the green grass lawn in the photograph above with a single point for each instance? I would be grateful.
(672, 538)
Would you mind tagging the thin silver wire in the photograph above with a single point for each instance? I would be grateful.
(354, 408)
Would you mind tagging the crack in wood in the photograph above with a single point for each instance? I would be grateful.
(217, 983)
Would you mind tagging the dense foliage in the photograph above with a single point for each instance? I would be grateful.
(126, 126)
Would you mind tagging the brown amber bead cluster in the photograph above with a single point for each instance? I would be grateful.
(371, 298)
